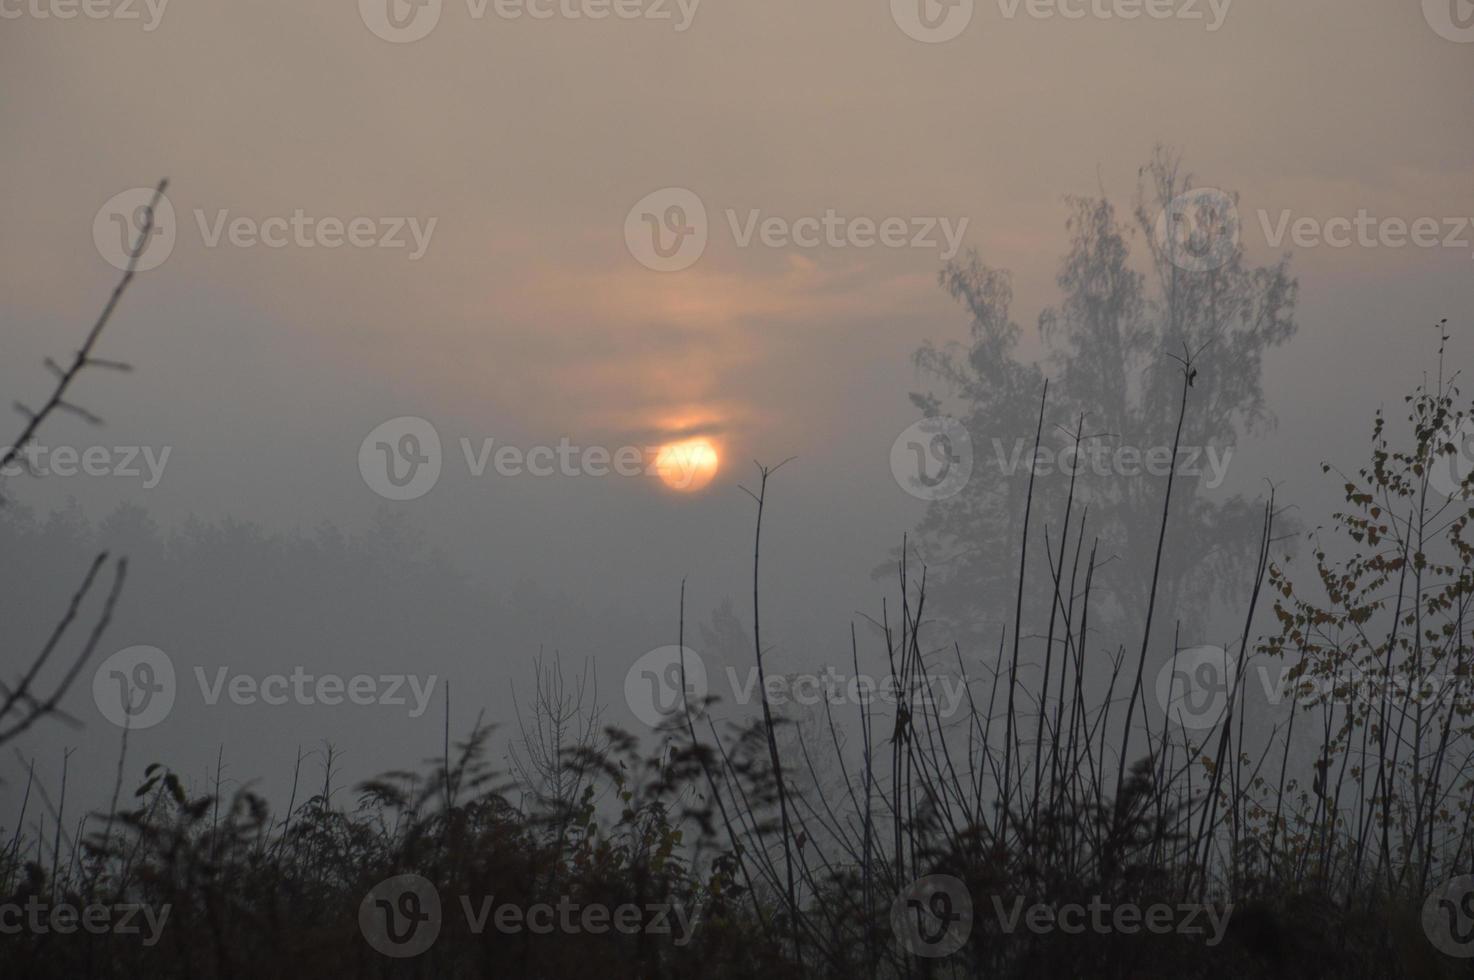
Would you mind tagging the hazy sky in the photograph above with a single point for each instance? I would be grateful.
(528, 320)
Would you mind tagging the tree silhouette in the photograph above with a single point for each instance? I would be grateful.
(1113, 351)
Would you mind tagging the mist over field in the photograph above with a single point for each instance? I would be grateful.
(764, 459)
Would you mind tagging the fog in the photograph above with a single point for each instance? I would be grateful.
(491, 290)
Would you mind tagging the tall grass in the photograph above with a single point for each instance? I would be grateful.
(1319, 848)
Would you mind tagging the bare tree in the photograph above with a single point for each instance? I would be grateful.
(563, 728)
(23, 705)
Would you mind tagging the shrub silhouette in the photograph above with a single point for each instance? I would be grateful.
(1324, 862)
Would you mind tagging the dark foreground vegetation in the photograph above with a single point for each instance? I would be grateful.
(1316, 844)
(1030, 795)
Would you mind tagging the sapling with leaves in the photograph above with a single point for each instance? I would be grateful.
(1383, 653)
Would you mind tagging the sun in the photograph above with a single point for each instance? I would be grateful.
(688, 465)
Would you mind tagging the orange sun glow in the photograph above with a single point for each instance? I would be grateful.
(688, 465)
